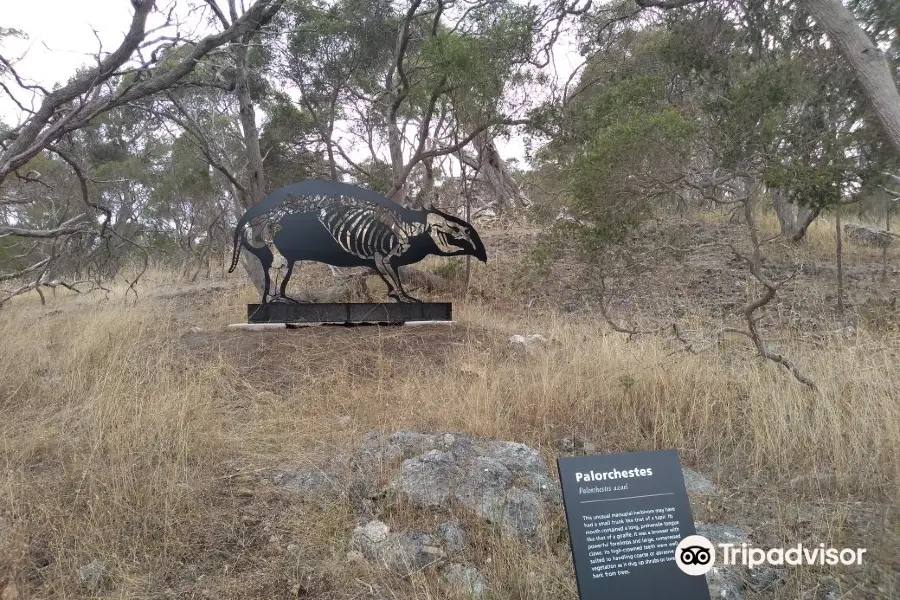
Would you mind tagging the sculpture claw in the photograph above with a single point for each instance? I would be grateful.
(400, 297)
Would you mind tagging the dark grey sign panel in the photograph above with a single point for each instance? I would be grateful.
(349, 312)
(626, 514)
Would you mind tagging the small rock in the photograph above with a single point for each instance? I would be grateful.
(517, 457)
(93, 575)
(526, 344)
(345, 421)
(722, 534)
(724, 583)
(697, 483)
(868, 235)
(410, 552)
(366, 538)
(403, 553)
(468, 580)
(575, 445)
(454, 536)
(565, 444)
(306, 483)
(292, 548)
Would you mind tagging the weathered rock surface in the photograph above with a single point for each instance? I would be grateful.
(453, 536)
(728, 583)
(506, 483)
(306, 482)
(575, 445)
(697, 484)
(867, 235)
(527, 344)
(466, 579)
(403, 553)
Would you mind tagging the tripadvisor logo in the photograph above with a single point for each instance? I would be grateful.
(695, 555)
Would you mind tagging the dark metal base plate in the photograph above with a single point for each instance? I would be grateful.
(350, 312)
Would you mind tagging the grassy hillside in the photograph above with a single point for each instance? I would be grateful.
(128, 438)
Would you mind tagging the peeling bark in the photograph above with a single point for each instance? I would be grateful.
(794, 219)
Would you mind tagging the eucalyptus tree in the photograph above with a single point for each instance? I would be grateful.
(871, 66)
(131, 72)
(423, 80)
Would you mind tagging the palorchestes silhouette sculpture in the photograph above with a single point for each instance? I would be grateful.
(348, 226)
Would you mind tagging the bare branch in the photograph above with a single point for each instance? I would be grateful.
(667, 4)
(74, 225)
(52, 119)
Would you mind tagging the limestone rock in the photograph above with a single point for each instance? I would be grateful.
(527, 344)
(366, 538)
(453, 535)
(403, 553)
(697, 483)
(306, 482)
(93, 575)
(427, 480)
(503, 482)
(575, 445)
(466, 579)
(867, 235)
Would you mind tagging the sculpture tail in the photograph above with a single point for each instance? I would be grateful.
(240, 239)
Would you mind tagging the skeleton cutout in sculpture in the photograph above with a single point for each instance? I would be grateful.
(347, 226)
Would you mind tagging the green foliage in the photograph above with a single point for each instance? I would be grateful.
(286, 143)
(379, 175)
(637, 143)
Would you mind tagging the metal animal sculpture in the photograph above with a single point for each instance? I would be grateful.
(348, 226)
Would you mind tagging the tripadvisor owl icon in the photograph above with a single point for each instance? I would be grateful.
(695, 555)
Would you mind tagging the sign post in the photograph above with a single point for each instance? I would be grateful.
(626, 514)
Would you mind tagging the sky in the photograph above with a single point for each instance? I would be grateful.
(63, 35)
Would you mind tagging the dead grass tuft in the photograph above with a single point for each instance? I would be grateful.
(130, 440)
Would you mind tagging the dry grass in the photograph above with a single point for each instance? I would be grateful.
(126, 440)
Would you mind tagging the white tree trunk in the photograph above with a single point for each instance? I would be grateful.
(503, 189)
(794, 219)
(868, 63)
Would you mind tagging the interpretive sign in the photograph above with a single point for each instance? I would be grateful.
(626, 515)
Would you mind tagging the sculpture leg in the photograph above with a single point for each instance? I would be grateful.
(266, 259)
(392, 279)
(287, 277)
(277, 263)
